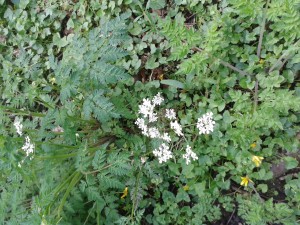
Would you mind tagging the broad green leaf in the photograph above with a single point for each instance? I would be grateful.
(151, 63)
(173, 83)
(290, 162)
(70, 24)
(187, 170)
(22, 3)
(156, 4)
(199, 188)
(262, 187)
(182, 195)
(8, 14)
(136, 30)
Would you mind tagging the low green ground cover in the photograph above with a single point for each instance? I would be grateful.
(149, 112)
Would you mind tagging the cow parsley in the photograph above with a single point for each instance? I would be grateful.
(170, 114)
(153, 124)
(176, 127)
(28, 148)
(205, 123)
(163, 153)
(157, 100)
(189, 154)
(18, 125)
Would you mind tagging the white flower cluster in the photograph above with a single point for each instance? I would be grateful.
(176, 127)
(28, 147)
(157, 100)
(205, 123)
(18, 125)
(148, 116)
(146, 109)
(170, 114)
(189, 154)
(163, 153)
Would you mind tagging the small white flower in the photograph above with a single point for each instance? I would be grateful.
(206, 123)
(18, 126)
(28, 147)
(163, 153)
(145, 132)
(153, 117)
(166, 137)
(143, 160)
(58, 129)
(170, 114)
(189, 154)
(176, 127)
(157, 100)
(146, 108)
(153, 132)
(140, 122)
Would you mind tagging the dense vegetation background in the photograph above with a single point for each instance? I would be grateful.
(73, 74)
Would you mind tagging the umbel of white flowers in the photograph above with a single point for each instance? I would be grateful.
(148, 118)
(28, 147)
(19, 126)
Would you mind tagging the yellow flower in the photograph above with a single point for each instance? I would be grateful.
(125, 193)
(52, 80)
(257, 160)
(245, 181)
(253, 145)
(161, 76)
(261, 61)
(186, 187)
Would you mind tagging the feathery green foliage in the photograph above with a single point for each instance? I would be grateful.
(73, 74)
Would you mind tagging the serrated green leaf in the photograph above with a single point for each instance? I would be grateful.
(182, 196)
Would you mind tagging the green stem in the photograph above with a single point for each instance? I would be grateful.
(74, 181)
(258, 53)
(63, 156)
(148, 17)
(59, 188)
(86, 220)
(9, 110)
(135, 193)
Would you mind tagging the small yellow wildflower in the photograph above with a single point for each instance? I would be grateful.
(253, 145)
(186, 187)
(257, 160)
(52, 80)
(261, 61)
(245, 181)
(125, 193)
(161, 76)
